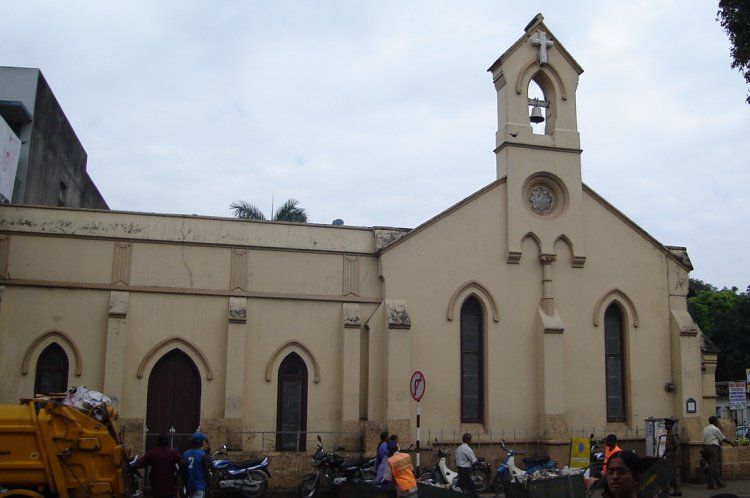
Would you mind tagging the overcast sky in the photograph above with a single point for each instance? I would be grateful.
(382, 113)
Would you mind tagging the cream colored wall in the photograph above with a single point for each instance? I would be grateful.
(316, 326)
(178, 287)
(29, 313)
(303, 273)
(155, 317)
(180, 266)
(618, 258)
(57, 259)
(465, 245)
(302, 303)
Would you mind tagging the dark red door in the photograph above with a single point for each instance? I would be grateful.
(291, 407)
(174, 399)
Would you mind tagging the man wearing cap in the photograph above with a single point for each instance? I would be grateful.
(672, 454)
(196, 465)
(712, 439)
(610, 449)
(399, 471)
(165, 463)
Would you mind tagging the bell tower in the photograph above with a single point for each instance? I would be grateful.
(537, 143)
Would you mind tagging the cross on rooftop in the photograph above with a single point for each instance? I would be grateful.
(540, 39)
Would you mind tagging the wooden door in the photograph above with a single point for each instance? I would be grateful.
(291, 414)
(174, 399)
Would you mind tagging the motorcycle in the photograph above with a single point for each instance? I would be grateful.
(441, 474)
(507, 471)
(249, 477)
(330, 470)
(596, 459)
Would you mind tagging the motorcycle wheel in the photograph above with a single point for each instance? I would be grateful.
(425, 476)
(368, 475)
(257, 475)
(309, 486)
(498, 486)
(481, 481)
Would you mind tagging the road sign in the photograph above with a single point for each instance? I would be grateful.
(417, 385)
(737, 396)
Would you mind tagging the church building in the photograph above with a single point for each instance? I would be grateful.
(534, 309)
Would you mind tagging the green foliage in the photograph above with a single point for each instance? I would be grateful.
(246, 211)
(289, 211)
(724, 317)
(734, 16)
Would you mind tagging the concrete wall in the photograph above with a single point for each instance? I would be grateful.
(52, 153)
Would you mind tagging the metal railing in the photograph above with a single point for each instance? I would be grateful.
(292, 441)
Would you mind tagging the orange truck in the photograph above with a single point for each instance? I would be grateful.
(48, 449)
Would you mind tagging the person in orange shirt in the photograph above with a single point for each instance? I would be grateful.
(400, 472)
(610, 449)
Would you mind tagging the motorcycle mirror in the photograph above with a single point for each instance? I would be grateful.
(320, 440)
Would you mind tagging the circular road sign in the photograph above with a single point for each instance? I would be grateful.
(417, 385)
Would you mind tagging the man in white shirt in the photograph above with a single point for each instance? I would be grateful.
(465, 461)
(712, 439)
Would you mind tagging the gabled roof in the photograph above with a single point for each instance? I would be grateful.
(676, 254)
(533, 25)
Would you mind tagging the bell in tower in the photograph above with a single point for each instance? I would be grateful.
(537, 142)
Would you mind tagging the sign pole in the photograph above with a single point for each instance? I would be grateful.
(418, 403)
(416, 387)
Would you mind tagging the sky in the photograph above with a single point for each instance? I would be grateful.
(383, 114)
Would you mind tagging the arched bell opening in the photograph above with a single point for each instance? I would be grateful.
(541, 100)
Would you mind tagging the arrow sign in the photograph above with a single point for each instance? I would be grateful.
(417, 385)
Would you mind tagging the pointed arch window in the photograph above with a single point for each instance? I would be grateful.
(51, 370)
(614, 351)
(472, 361)
(291, 410)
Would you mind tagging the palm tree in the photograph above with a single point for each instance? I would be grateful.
(289, 211)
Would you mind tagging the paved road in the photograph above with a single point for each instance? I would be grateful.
(739, 487)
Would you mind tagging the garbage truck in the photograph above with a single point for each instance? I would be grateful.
(49, 449)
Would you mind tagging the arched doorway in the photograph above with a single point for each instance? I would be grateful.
(51, 371)
(291, 410)
(174, 399)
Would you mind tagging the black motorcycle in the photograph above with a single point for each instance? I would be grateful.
(249, 477)
(331, 470)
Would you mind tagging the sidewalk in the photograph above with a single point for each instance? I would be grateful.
(739, 487)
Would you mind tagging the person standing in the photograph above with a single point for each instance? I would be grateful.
(399, 470)
(712, 439)
(196, 464)
(465, 461)
(672, 454)
(610, 449)
(165, 464)
(381, 459)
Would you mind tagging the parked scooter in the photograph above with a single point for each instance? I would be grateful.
(508, 472)
(330, 471)
(441, 474)
(249, 477)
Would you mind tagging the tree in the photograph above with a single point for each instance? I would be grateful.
(734, 16)
(289, 211)
(724, 317)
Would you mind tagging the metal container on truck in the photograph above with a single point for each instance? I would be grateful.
(48, 449)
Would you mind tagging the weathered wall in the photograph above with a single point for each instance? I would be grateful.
(52, 153)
